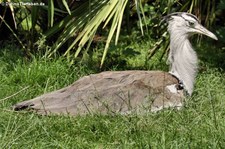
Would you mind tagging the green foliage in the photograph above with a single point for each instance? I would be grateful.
(73, 25)
(89, 21)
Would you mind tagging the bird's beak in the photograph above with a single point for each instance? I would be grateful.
(202, 30)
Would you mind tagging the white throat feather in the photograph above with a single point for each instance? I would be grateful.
(183, 59)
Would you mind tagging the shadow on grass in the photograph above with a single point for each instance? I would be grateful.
(211, 54)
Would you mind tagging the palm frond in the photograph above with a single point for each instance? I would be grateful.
(84, 25)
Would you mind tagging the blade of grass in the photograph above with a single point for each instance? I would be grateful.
(123, 6)
(13, 14)
(50, 13)
(139, 16)
(34, 16)
(66, 6)
(143, 14)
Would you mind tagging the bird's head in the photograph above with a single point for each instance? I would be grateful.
(186, 24)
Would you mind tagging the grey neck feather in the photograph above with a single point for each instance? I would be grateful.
(183, 59)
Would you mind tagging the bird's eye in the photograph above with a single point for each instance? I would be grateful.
(191, 24)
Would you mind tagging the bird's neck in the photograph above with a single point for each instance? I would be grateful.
(183, 60)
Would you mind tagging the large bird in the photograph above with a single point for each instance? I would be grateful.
(182, 57)
(131, 91)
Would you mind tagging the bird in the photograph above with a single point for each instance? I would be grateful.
(182, 57)
(128, 91)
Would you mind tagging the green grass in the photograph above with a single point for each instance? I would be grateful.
(200, 124)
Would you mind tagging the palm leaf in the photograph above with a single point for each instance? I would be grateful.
(66, 6)
(85, 25)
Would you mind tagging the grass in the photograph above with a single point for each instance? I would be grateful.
(200, 124)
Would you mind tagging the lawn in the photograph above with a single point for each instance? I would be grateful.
(200, 124)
